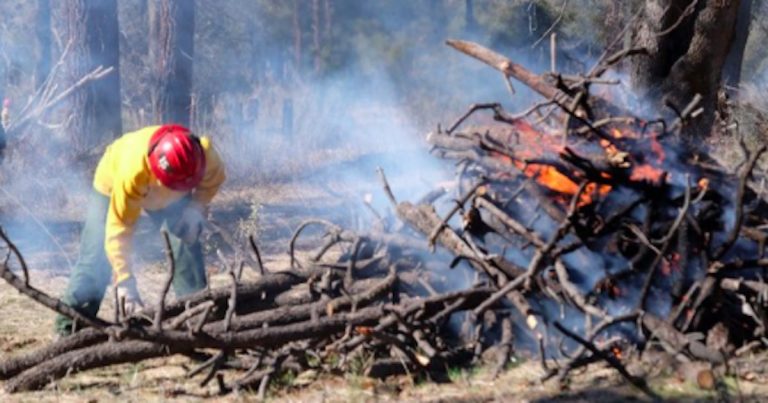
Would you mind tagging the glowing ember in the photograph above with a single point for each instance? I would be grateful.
(364, 330)
(616, 352)
(648, 173)
(703, 184)
(670, 264)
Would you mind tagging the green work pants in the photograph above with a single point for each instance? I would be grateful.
(92, 272)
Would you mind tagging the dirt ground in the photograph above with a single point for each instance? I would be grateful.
(271, 212)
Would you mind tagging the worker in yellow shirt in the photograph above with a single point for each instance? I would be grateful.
(169, 173)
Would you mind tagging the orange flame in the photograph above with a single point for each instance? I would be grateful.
(534, 143)
(554, 180)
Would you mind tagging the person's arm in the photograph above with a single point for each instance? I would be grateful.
(124, 209)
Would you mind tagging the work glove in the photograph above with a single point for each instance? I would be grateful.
(190, 224)
(128, 297)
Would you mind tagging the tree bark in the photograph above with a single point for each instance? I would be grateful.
(687, 43)
(437, 11)
(43, 36)
(316, 35)
(91, 357)
(11, 367)
(91, 29)
(470, 25)
(297, 34)
(327, 19)
(171, 50)
(732, 68)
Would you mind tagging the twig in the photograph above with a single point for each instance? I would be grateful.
(22, 262)
(217, 364)
(40, 224)
(733, 234)
(552, 26)
(472, 109)
(349, 276)
(458, 206)
(639, 383)
(255, 249)
(686, 12)
(304, 225)
(665, 243)
(232, 305)
(593, 72)
(189, 314)
(44, 299)
(573, 292)
(158, 323)
(207, 364)
(203, 318)
(387, 189)
(505, 347)
(553, 51)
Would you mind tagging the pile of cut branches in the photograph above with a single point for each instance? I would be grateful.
(322, 314)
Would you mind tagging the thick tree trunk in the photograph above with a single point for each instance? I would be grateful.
(171, 50)
(327, 19)
(687, 43)
(43, 36)
(438, 13)
(91, 29)
(732, 68)
(316, 35)
(470, 25)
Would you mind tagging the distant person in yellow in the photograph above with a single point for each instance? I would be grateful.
(172, 175)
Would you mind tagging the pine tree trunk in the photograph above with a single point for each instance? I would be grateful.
(171, 54)
(297, 34)
(732, 68)
(470, 25)
(327, 19)
(687, 43)
(43, 36)
(316, 27)
(91, 28)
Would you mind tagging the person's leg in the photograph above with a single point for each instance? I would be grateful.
(190, 264)
(92, 272)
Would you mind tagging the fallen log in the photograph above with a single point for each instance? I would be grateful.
(95, 356)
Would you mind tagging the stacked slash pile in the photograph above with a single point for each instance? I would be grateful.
(592, 234)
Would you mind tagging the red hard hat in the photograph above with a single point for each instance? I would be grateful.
(176, 157)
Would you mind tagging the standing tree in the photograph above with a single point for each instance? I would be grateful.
(316, 35)
(171, 54)
(297, 34)
(43, 35)
(91, 31)
(732, 68)
(687, 42)
(470, 25)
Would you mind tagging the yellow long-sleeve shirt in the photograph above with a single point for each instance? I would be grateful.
(124, 175)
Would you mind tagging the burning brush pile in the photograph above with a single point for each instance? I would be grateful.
(588, 243)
